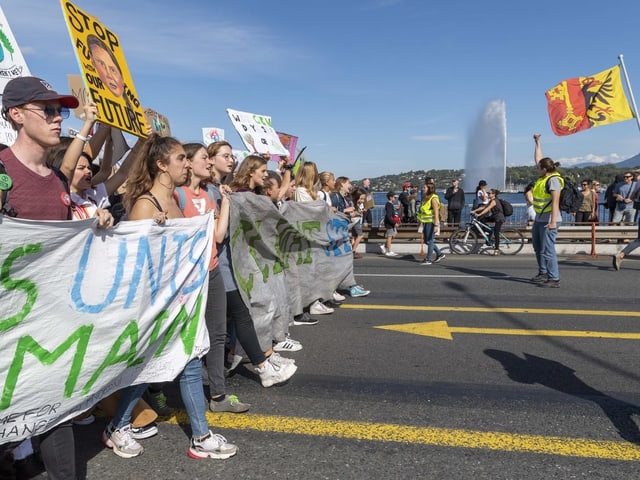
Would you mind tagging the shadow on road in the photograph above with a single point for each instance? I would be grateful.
(533, 369)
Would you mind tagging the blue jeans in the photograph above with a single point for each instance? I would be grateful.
(430, 240)
(544, 244)
(192, 396)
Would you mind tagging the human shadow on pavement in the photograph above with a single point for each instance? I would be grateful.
(533, 369)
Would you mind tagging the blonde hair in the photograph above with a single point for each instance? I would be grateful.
(307, 177)
(324, 177)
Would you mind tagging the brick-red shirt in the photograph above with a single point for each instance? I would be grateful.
(32, 196)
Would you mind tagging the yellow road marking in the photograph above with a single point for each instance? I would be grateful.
(442, 437)
(536, 311)
(441, 329)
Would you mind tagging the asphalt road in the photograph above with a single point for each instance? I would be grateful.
(523, 389)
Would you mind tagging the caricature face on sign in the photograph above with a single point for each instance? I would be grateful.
(106, 65)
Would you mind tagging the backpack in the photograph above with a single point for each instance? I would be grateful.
(507, 208)
(570, 197)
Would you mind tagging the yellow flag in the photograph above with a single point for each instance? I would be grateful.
(584, 102)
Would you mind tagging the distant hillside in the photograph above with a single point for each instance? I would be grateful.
(517, 177)
(629, 163)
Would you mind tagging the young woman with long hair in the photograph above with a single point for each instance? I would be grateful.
(150, 195)
(270, 366)
(196, 197)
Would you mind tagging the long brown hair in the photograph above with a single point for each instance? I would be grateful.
(145, 168)
(249, 165)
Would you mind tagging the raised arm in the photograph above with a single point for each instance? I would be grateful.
(537, 151)
(76, 146)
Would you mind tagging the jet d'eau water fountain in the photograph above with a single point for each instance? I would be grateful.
(486, 156)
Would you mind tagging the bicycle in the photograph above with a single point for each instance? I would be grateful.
(468, 239)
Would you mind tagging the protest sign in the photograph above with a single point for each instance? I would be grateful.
(104, 71)
(257, 132)
(76, 87)
(290, 142)
(12, 65)
(285, 260)
(12, 62)
(211, 135)
(159, 123)
(86, 312)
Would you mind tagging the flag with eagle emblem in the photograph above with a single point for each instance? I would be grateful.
(585, 102)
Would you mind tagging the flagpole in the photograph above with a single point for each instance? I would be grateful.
(633, 100)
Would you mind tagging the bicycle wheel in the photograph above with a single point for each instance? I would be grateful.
(511, 241)
(463, 241)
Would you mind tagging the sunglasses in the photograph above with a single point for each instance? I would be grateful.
(50, 112)
(628, 176)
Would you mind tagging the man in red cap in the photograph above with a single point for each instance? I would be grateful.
(35, 110)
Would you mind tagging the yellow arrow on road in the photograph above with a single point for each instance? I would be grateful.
(441, 329)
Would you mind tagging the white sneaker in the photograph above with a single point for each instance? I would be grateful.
(337, 297)
(287, 345)
(390, 254)
(121, 441)
(319, 308)
(280, 360)
(211, 446)
(272, 372)
(383, 249)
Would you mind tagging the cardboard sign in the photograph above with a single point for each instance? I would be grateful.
(104, 71)
(159, 123)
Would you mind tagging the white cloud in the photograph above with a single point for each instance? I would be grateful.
(591, 158)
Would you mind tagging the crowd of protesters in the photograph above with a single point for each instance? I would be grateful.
(54, 178)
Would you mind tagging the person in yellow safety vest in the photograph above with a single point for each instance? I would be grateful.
(429, 215)
(546, 203)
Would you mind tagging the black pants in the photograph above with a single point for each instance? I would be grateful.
(238, 316)
(57, 449)
(453, 217)
(496, 234)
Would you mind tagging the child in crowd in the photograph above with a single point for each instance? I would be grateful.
(390, 214)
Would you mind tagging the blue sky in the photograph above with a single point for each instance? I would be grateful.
(371, 87)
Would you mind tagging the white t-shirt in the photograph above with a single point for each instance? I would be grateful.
(86, 205)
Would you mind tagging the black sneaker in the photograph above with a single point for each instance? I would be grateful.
(439, 257)
(304, 319)
(147, 431)
(550, 284)
(540, 278)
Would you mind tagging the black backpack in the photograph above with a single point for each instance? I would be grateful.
(570, 197)
(507, 208)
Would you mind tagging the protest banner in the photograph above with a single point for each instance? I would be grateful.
(285, 260)
(211, 135)
(86, 312)
(12, 65)
(76, 87)
(290, 142)
(257, 132)
(104, 71)
(159, 123)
